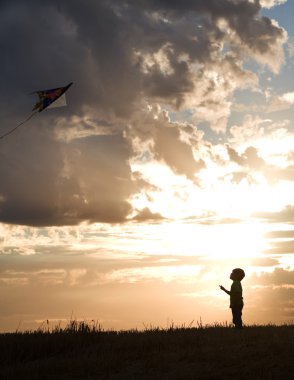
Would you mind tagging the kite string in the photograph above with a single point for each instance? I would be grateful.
(23, 122)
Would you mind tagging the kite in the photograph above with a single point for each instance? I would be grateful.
(46, 99)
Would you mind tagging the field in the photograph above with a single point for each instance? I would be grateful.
(85, 351)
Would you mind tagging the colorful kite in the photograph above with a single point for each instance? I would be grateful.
(46, 99)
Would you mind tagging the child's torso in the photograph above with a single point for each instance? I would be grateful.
(236, 298)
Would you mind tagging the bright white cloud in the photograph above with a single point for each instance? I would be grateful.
(271, 3)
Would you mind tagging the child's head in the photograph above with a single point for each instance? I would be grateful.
(237, 274)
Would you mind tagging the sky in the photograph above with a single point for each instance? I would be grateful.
(171, 164)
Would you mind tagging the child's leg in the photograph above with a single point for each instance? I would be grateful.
(237, 316)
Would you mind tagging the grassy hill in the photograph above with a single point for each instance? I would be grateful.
(81, 351)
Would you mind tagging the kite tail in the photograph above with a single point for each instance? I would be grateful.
(23, 122)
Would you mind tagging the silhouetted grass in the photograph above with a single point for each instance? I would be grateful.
(84, 350)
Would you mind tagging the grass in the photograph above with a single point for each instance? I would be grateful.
(83, 350)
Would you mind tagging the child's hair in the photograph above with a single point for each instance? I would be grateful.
(239, 273)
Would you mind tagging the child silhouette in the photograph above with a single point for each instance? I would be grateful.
(236, 299)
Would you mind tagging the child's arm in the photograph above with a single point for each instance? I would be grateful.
(225, 290)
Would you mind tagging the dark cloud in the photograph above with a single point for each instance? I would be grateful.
(57, 184)
(93, 44)
(120, 55)
(107, 47)
(256, 32)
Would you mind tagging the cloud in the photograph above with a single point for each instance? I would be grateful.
(278, 277)
(146, 215)
(67, 184)
(73, 164)
(154, 44)
(261, 147)
(280, 234)
(166, 141)
(264, 262)
(240, 20)
(251, 128)
(254, 128)
(281, 102)
(284, 216)
(275, 174)
(281, 247)
(270, 295)
(271, 3)
(238, 177)
(248, 159)
(211, 219)
(290, 47)
(271, 303)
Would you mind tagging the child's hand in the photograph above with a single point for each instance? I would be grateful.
(222, 288)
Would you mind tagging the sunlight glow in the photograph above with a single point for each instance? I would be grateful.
(183, 273)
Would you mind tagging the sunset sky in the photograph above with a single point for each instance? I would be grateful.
(172, 163)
